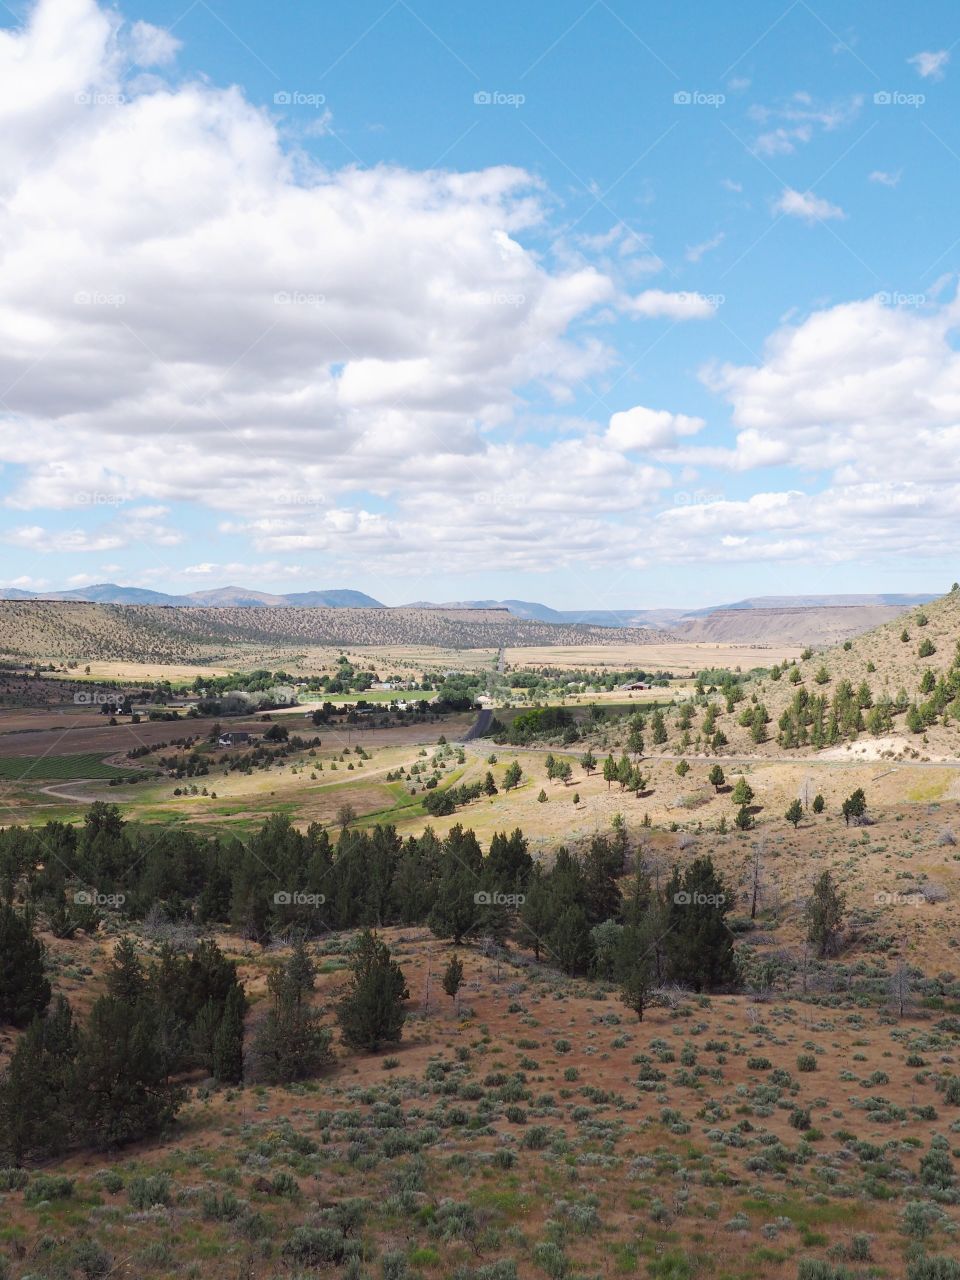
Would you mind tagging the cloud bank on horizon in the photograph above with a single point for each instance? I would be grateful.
(223, 354)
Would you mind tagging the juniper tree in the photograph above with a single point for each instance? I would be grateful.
(512, 776)
(228, 1042)
(121, 1090)
(742, 793)
(855, 806)
(371, 1012)
(291, 1044)
(697, 941)
(453, 977)
(24, 991)
(36, 1115)
(825, 914)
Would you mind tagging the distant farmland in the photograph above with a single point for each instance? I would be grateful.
(53, 768)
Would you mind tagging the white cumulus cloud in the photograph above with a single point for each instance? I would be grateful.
(806, 205)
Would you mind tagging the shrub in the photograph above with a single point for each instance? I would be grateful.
(537, 1138)
(919, 1218)
(807, 1062)
(91, 1259)
(143, 1193)
(48, 1186)
(314, 1246)
(394, 1265)
(550, 1259)
(936, 1268)
(816, 1269)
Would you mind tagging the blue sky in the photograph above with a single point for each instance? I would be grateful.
(598, 304)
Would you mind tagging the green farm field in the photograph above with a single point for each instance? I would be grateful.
(66, 768)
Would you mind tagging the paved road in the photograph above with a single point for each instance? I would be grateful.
(479, 726)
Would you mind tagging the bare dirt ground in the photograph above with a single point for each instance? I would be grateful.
(668, 1143)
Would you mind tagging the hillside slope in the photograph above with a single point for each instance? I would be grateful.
(39, 630)
(891, 691)
(816, 625)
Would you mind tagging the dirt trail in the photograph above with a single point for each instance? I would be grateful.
(58, 790)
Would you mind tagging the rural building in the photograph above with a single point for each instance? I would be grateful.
(232, 739)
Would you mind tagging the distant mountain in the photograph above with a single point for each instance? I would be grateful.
(333, 600)
(883, 605)
(234, 598)
(902, 601)
(534, 612)
(110, 593)
(218, 597)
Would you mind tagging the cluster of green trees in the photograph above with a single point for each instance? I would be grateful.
(649, 937)
(115, 1077)
(284, 882)
(558, 770)
(540, 722)
(624, 772)
(110, 1079)
(346, 679)
(458, 690)
(442, 803)
(820, 721)
(546, 680)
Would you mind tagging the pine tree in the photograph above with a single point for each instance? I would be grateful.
(601, 897)
(24, 991)
(855, 806)
(636, 986)
(536, 911)
(744, 820)
(508, 862)
(370, 1012)
(794, 813)
(609, 771)
(624, 772)
(716, 778)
